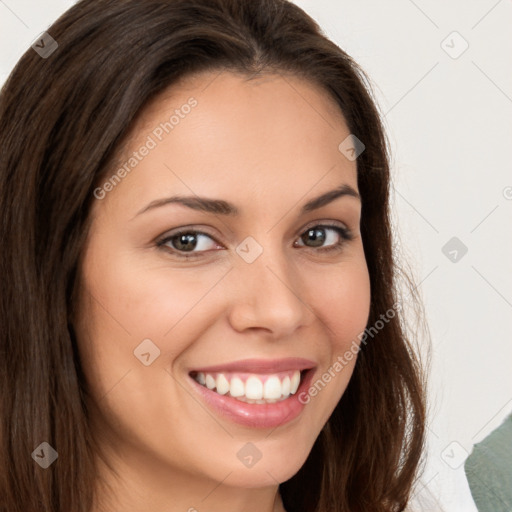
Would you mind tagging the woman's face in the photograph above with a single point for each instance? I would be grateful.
(258, 290)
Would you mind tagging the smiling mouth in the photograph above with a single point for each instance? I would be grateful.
(252, 388)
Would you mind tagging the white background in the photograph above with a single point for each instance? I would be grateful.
(449, 123)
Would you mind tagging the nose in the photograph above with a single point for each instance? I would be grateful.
(268, 296)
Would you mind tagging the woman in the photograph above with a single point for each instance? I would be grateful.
(199, 308)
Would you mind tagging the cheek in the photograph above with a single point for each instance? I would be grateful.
(343, 304)
(349, 310)
(128, 301)
(142, 299)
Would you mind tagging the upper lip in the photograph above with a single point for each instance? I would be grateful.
(260, 365)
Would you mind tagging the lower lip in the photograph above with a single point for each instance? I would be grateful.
(256, 415)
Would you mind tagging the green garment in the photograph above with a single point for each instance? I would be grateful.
(489, 470)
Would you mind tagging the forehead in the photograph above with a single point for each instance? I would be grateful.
(218, 130)
(233, 88)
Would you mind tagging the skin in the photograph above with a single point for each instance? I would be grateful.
(268, 145)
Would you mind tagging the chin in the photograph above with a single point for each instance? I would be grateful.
(276, 465)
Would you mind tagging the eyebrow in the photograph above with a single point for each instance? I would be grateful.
(221, 207)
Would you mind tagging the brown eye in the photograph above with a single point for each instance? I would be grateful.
(315, 235)
(189, 242)
(325, 237)
(184, 242)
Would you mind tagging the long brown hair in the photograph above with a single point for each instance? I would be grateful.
(62, 120)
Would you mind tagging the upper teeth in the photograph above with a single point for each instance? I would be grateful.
(271, 388)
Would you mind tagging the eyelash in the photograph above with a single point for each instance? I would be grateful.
(344, 233)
